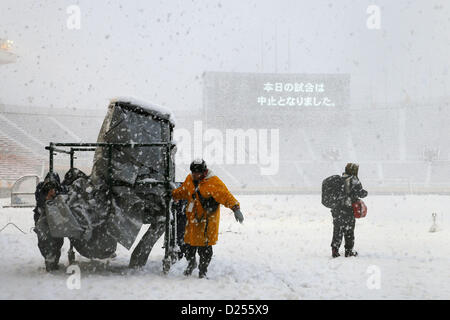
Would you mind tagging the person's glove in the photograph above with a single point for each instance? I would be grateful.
(238, 215)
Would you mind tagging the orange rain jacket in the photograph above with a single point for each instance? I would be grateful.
(210, 186)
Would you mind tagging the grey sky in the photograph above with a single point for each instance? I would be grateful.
(158, 50)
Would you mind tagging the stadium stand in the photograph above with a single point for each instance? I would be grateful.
(399, 150)
(16, 160)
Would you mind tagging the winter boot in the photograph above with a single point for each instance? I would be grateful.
(202, 274)
(205, 258)
(180, 255)
(51, 266)
(335, 252)
(190, 268)
(350, 253)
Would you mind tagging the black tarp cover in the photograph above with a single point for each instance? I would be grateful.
(122, 193)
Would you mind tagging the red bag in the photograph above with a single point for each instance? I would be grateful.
(359, 209)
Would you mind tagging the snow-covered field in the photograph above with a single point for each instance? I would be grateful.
(282, 251)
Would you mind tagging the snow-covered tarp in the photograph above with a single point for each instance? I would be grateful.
(127, 186)
(152, 108)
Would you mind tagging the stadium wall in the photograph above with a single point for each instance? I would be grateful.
(415, 161)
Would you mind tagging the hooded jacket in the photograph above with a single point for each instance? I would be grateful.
(51, 181)
(353, 189)
(202, 228)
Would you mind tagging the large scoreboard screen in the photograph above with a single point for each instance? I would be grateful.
(227, 94)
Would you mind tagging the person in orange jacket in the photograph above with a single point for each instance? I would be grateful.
(205, 192)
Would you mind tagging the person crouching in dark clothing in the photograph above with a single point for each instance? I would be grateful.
(49, 246)
(343, 217)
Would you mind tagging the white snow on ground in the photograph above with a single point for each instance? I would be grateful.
(282, 251)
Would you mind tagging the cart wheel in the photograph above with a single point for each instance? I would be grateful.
(71, 256)
(166, 265)
(174, 257)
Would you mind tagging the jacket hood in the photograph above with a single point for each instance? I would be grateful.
(210, 174)
(352, 169)
(72, 175)
(52, 181)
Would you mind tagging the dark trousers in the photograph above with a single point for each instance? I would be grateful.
(140, 254)
(205, 254)
(49, 246)
(343, 227)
